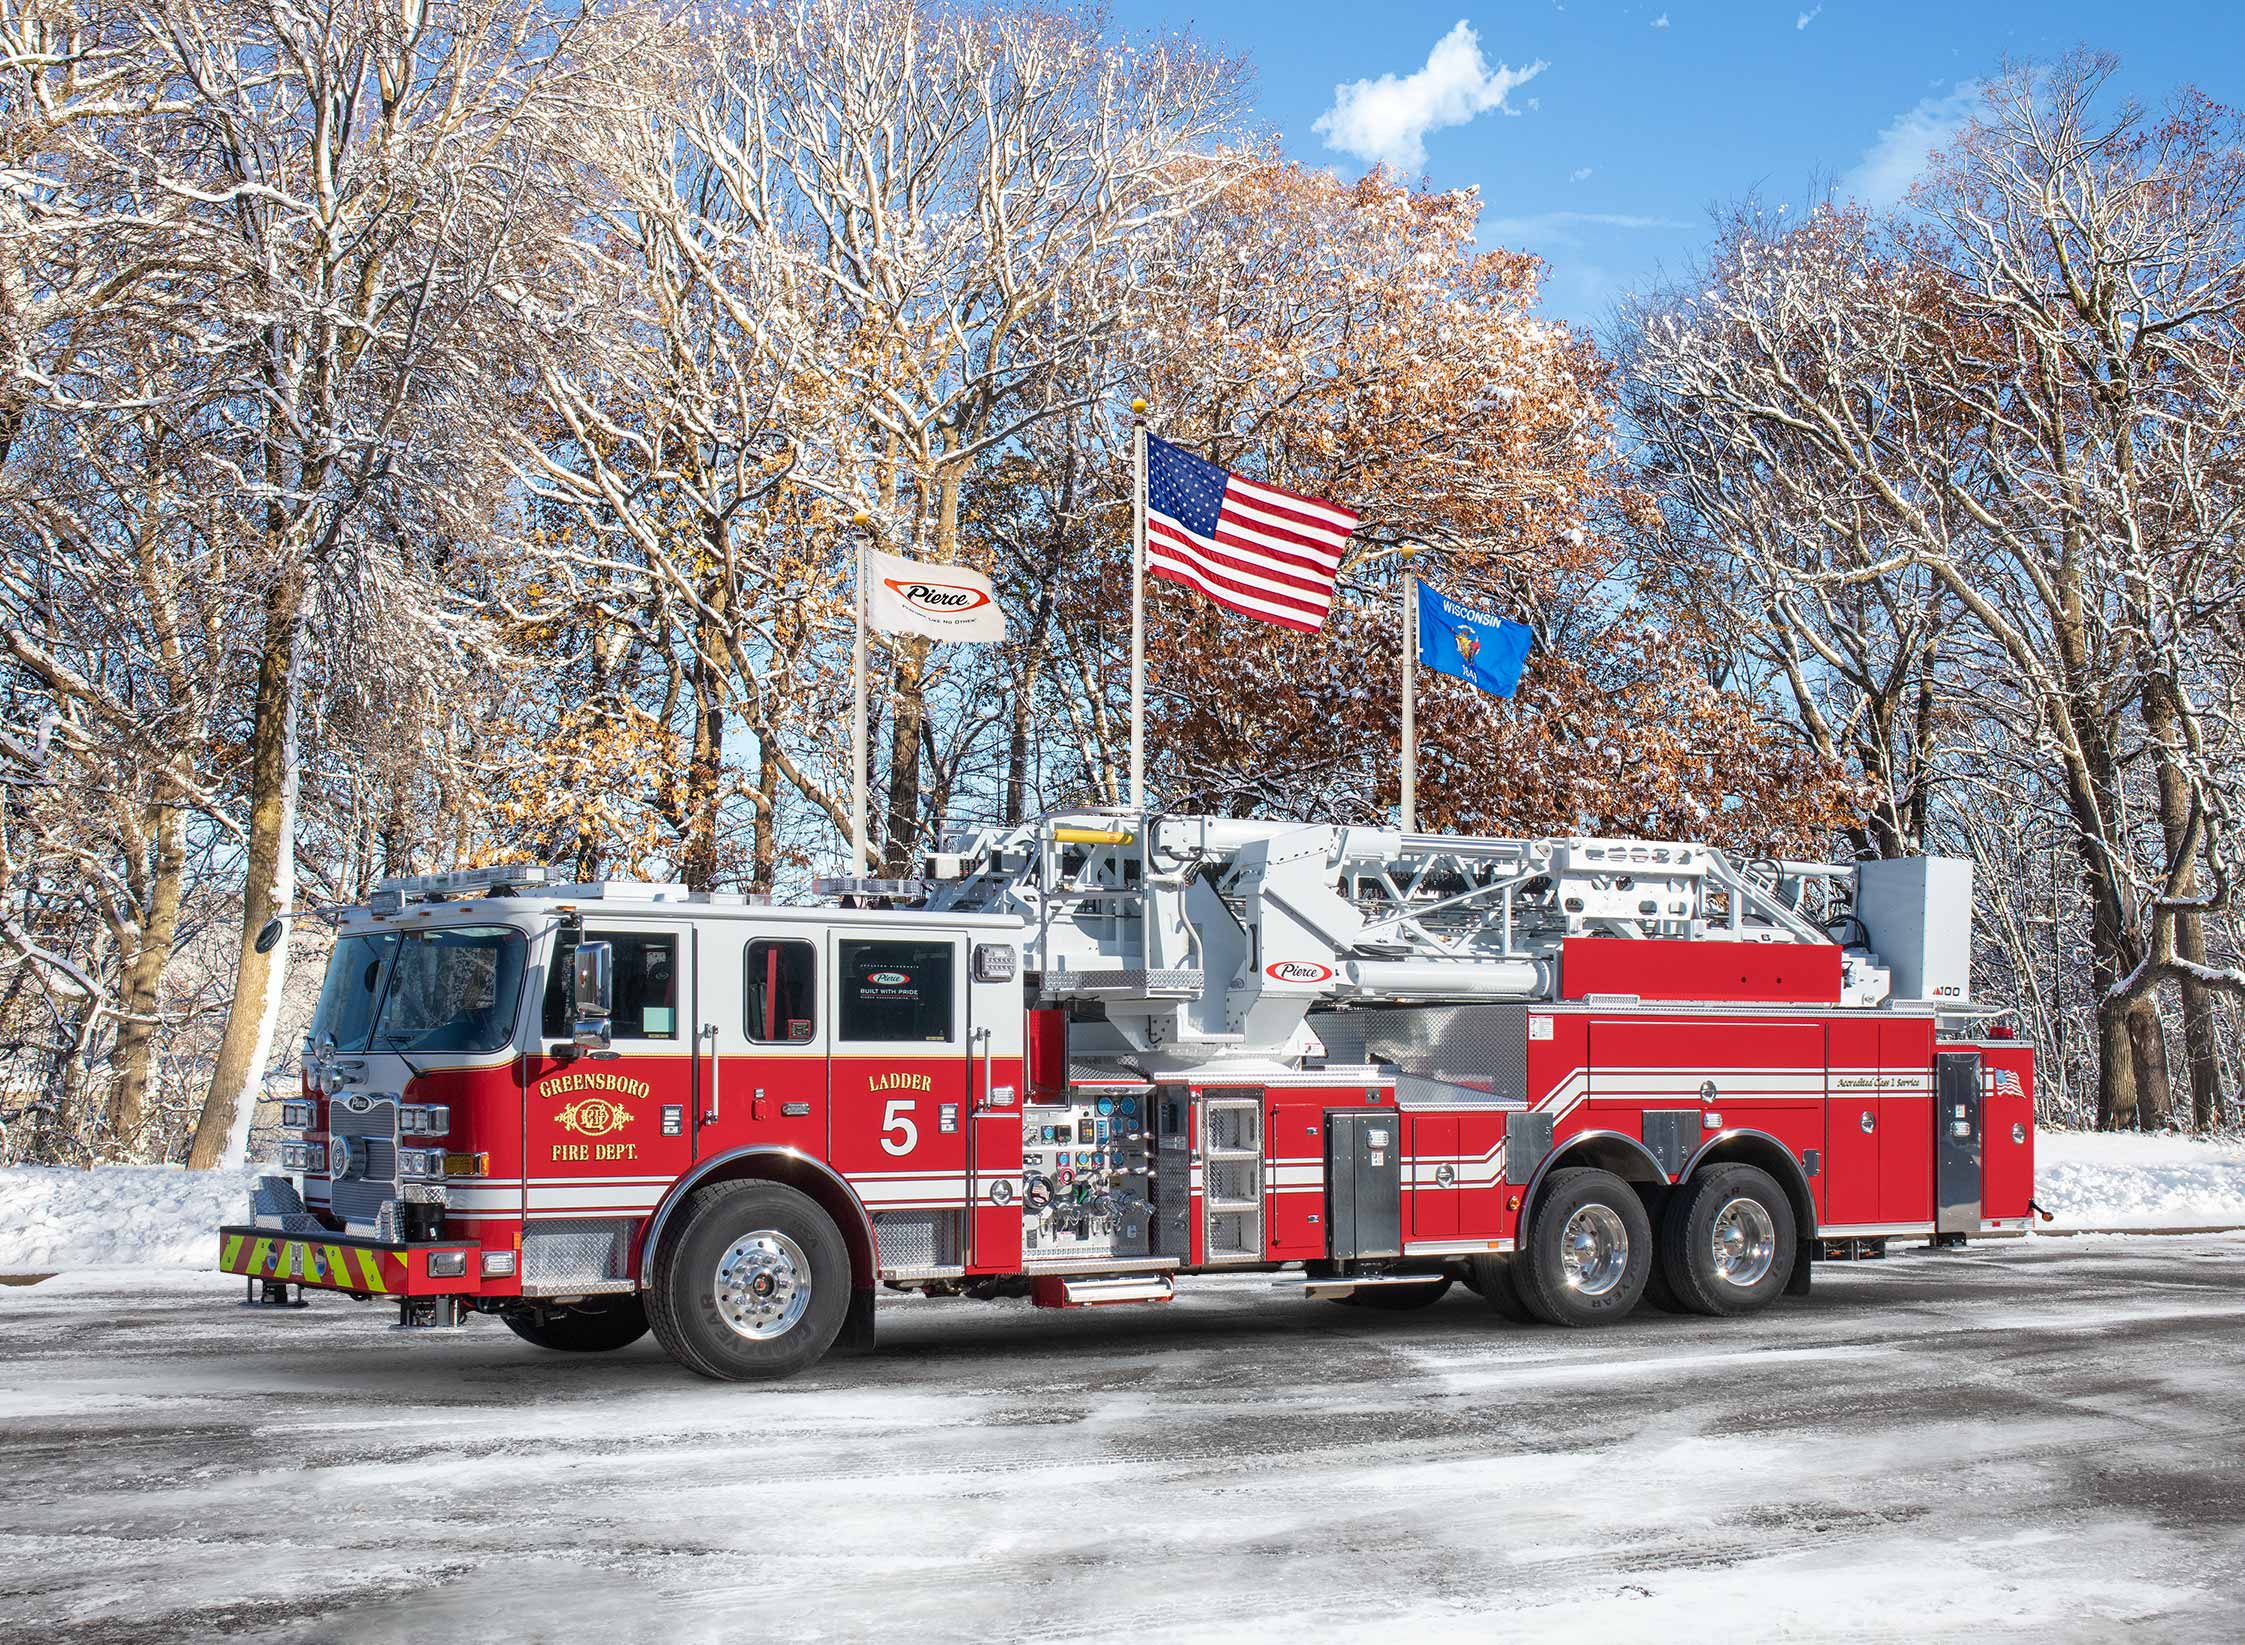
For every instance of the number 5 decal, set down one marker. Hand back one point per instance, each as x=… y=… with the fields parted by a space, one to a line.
x=898 y=1117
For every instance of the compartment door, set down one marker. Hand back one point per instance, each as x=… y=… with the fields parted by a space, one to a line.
x=1433 y=1175
x=1957 y=1142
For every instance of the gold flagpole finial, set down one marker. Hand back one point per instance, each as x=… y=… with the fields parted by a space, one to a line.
x=1138 y=408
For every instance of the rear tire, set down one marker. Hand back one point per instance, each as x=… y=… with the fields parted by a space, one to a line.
x=1399 y=1299
x=617 y=1322
x=752 y=1284
x=1727 y=1241
x=1588 y=1250
x=1496 y=1278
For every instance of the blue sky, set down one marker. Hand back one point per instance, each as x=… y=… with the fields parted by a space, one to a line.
x=1606 y=159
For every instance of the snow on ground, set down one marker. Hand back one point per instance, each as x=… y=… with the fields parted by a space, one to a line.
x=2025 y=1443
x=2130 y=1180
x=137 y=1216
x=116 y=1216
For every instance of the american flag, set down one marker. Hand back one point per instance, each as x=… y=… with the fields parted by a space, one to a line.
x=2007 y=1083
x=1249 y=547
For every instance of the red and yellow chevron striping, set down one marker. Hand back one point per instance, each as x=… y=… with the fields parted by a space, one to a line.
x=313 y=1262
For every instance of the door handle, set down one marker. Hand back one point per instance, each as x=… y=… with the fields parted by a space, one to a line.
x=709 y=1033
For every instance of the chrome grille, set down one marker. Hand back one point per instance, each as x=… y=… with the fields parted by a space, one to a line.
x=358 y=1199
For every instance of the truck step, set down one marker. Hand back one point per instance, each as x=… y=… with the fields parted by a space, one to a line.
x=1100 y=1290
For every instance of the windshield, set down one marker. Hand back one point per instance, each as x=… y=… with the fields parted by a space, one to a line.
x=452 y=990
x=354 y=983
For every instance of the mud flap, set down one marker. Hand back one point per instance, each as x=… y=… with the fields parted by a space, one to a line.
x=857 y=1325
x=1796 y=1285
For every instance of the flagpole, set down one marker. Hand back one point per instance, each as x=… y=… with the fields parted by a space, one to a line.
x=1138 y=607
x=1410 y=697
x=860 y=855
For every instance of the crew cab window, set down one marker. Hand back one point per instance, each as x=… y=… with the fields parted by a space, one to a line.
x=896 y=991
x=645 y=972
x=781 y=977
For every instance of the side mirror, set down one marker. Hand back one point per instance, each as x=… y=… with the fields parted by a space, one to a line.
x=268 y=935
x=595 y=994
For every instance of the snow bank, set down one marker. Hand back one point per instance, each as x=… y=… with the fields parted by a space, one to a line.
x=2129 y=1180
x=116 y=1216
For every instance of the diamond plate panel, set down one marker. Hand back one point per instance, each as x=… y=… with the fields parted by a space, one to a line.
x=920 y=1239
x=1441 y=1053
x=577 y=1254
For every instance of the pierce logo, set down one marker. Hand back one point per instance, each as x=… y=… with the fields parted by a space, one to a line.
x=938 y=599
x=888 y=979
x=1298 y=971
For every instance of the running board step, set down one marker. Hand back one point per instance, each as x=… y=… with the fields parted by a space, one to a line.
x=1099 y=1290
x=1348 y=1286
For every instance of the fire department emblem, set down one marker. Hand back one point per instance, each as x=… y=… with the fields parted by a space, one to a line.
x=593 y=1117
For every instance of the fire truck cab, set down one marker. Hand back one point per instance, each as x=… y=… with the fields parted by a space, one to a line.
x=1080 y=1058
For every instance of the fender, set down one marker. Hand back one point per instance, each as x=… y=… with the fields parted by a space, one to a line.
x=702 y=1172
x=1558 y=1156
x=1795 y=1182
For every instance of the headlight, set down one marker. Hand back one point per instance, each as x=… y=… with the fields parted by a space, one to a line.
x=299 y=1116
x=308 y=1157
x=421 y=1163
x=424 y=1119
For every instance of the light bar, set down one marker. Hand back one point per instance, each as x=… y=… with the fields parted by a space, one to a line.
x=398 y=889
x=424 y=1119
x=299 y=1116
x=310 y=1158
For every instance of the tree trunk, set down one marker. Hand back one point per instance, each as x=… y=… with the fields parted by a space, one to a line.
x=269 y=883
x=907 y=710
x=2147 y=1047
x=135 y=1051
x=2202 y=1046
x=2201 y=1042
x=764 y=842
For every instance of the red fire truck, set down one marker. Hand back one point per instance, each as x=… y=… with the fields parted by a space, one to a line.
x=1081 y=1057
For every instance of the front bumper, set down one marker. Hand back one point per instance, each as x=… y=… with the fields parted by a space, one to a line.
x=343 y=1262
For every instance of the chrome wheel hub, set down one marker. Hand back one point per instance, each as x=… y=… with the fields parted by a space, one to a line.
x=763 y=1285
x=1594 y=1250
x=1743 y=1242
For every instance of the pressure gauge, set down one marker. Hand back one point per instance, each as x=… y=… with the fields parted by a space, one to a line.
x=1106 y=1105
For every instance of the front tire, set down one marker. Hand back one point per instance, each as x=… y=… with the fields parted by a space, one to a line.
x=1588 y=1251
x=753 y=1283
x=1727 y=1241
x=617 y=1322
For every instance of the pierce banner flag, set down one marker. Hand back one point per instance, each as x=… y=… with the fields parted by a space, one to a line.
x=942 y=602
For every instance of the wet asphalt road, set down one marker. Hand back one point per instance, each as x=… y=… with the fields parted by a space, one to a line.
x=2030 y=1441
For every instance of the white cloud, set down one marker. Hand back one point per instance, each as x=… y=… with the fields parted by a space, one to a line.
x=1581 y=174
x=1808 y=17
x=1386 y=120
x=1661 y=21
x=1561 y=229
x=1890 y=165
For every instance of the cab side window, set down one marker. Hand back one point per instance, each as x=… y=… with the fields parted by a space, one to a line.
x=781 y=981
x=646 y=984
x=894 y=992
